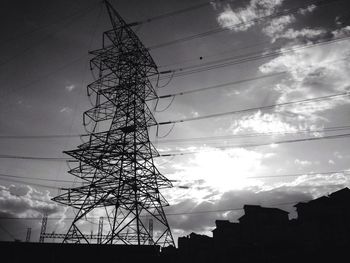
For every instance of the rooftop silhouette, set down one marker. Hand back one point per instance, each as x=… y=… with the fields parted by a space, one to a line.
x=320 y=232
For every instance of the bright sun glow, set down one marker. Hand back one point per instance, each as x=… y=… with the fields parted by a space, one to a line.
x=221 y=170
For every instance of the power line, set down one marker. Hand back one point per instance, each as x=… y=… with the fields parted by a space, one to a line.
x=34 y=158
x=201 y=139
x=231 y=83
x=210 y=116
x=173 y=13
x=13 y=178
x=256 y=20
x=173 y=95
x=179 y=72
x=201 y=68
x=36 y=178
x=7 y=232
x=339 y=136
x=243 y=135
x=267 y=107
x=53 y=136
x=333 y=96
x=216 y=54
x=30 y=183
x=277 y=142
x=166 y=154
x=344 y=172
x=170 y=214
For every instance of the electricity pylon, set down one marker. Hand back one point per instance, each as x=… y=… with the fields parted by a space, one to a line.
x=116 y=163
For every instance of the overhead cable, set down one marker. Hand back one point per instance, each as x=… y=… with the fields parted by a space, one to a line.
x=179 y=72
x=223 y=85
x=170 y=214
x=255 y=20
x=35 y=178
x=7 y=232
x=182 y=153
x=333 y=96
x=253 y=135
x=173 y=13
x=343 y=172
x=35 y=158
x=23 y=181
x=242 y=135
x=267 y=107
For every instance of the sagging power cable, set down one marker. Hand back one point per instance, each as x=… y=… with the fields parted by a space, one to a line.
x=267 y=107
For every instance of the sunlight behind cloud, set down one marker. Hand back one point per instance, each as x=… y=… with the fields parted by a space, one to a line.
x=218 y=171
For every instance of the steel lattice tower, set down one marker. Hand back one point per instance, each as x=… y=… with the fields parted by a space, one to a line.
x=116 y=163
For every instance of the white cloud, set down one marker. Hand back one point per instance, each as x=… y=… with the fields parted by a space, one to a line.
x=65 y=109
x=236 y=21
x=302 y=162
x=25 y=201
x=277 y=25
x=242 y=19
x=212 y=172
x=305 y=33
x=312 y=72
x=338 y=21
x=262 y=123
x=70 y=87
x=331 y=162
x=342 y=32
x=308 y=9
x=338 y=155
x=194 y=114
x=316 y=184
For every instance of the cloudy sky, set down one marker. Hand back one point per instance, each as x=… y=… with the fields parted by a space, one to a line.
x=289 y=50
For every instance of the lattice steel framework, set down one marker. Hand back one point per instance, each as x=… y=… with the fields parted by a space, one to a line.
x=116 y=163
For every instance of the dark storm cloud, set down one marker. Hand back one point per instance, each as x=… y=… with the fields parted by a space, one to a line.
x=22 y=206
x=25 y=200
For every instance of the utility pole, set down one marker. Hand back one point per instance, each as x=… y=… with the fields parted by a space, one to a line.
x=150 y=230
x=43 y=229
x=116 y=161
x=100 y=230
x=29 y=231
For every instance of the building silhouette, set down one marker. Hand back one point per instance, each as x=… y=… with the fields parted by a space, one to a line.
x=325 y=220
x=321 y=233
